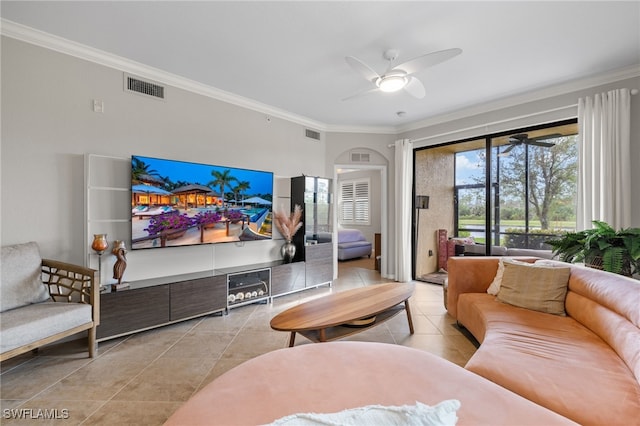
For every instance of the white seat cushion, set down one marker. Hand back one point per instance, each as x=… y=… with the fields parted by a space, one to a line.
x=30 y=323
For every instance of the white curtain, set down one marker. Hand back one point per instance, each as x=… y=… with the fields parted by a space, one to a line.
x=403 y=180
x=604 y=176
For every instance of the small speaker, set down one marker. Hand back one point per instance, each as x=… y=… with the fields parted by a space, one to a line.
x=422 y=201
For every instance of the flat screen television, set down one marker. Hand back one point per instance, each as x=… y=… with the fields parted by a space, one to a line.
x=178 y=203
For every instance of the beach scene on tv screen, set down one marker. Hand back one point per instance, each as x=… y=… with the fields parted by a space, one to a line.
x=177 y=203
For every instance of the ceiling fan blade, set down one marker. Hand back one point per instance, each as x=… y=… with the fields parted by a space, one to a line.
x=546 y=137
x=415 y=88
x=506 y=151
x=362 y=68
x=430 y=59
x=362 y=93
x=540 y=143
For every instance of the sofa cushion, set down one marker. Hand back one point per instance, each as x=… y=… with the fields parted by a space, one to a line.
x=353 y=250
x=494 y=288
x=553 y=361
x=480 y=250
x=538 y=287
x=545 y=254
x=21 y=277
x=350 y=235
x=40 y=320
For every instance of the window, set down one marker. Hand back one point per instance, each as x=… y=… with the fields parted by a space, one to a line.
x=532 y=190
x=354 y=202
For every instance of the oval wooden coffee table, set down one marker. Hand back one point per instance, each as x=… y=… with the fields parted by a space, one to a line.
x=333 y=317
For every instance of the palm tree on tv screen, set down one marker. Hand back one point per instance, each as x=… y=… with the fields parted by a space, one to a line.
x=222 y=180
x=140 y=172
x=241 y=187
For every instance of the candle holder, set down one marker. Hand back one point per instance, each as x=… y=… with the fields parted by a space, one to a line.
x=99 y=245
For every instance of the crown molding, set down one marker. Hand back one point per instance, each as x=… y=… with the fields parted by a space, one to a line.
x=378 y=130
x=588 y=82
x=49 y=41
x=52 y=42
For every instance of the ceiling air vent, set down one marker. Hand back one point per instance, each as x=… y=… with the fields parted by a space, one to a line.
x=360 y=157
x=312 y=134
x=133 y=84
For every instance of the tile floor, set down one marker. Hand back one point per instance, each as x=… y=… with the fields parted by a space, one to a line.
x=143 y=378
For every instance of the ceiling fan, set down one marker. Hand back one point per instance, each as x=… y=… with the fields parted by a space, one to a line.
x=524 y=138
x=399 y=77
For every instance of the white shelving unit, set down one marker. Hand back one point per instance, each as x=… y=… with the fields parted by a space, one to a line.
x=107 y=195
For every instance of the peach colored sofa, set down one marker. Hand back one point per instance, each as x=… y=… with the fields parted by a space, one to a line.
x=584 y=366
x=335 y=376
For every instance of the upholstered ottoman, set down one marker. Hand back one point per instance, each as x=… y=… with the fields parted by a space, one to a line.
x=330 y=377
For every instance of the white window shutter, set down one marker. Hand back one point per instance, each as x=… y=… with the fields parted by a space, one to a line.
x=354 y=202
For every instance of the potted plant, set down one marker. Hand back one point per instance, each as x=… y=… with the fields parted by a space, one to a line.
x=234 y=216
x=601 y=247
x=208 y=219
x=173 y=225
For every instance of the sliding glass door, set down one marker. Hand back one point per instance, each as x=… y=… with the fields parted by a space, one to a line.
x=524 y=194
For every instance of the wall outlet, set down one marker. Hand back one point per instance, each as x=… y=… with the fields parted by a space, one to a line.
x=430 y=253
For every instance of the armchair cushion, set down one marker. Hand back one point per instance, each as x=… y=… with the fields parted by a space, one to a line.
x=39 y=321
x=21 y=276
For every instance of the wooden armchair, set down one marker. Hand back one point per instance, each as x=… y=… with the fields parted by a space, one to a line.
x=64 y=313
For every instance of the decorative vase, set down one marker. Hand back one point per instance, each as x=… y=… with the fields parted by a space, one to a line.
x=99 y=243
x=288 y=251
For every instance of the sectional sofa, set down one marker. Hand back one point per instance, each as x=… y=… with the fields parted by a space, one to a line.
x=572 y=357
x=581 y=361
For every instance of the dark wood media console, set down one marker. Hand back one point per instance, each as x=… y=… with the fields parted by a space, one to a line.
x=156 y=302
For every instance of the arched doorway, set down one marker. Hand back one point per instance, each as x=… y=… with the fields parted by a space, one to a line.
x=362 y=164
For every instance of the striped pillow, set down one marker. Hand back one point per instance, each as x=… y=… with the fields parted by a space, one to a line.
x=538 y=287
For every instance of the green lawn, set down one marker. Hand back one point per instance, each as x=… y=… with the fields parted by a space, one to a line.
x=516 y=223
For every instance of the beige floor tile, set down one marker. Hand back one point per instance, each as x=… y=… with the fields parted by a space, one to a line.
x=47 y=412
x=138 y=413
x=7 y=404
x=16 y=361
x=231 y=322
x=147 y=345
x=28 y=379
x=199 y=343
x=167 y=379
x=421 y=324
x=222 y=366
x=96 y=381
x=141 y=379
x=447 y=347
x=251 y=344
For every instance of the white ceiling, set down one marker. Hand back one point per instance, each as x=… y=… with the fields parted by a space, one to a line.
x=289 y=56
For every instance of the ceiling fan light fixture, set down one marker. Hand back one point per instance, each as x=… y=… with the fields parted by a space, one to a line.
x=391 y=83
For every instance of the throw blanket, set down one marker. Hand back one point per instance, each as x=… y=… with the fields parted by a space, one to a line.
x=442 y=414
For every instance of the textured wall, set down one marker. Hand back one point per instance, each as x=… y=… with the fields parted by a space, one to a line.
x=434 y=172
